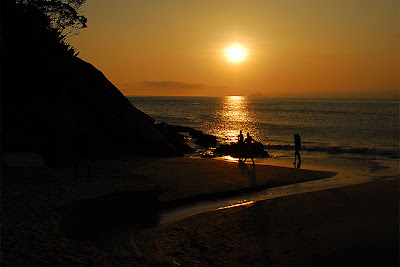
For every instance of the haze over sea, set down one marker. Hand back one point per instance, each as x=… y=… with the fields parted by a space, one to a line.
x=357 y=126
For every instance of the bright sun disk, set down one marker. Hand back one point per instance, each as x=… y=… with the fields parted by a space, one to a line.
x=235 y=52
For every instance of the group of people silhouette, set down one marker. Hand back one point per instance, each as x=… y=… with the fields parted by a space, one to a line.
x=246 y=148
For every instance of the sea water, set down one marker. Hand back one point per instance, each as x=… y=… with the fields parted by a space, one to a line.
x=357 y=126
x=357 y=138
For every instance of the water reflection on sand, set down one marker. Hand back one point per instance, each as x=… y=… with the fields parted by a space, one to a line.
x=351 y=170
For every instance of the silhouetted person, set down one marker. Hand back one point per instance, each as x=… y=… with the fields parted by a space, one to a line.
x=249 y=148
x=297 y=146
x=240 y=145
x=82 y=151
x=298 y=164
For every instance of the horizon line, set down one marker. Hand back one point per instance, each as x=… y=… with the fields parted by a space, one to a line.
x=300 y=97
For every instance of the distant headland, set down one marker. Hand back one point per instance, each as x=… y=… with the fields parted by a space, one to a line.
x=256 y=94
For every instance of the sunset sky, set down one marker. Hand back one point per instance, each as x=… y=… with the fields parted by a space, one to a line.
x=311 y=48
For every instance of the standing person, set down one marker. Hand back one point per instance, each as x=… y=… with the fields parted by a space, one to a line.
x=297 y=145
x=240 y=145
x=249 y=148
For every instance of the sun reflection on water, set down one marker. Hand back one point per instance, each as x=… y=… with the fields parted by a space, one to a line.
x=233 y=115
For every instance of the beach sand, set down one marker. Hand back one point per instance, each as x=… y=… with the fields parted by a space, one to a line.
x=348 y=226
x=357 y=223
x=190 y=177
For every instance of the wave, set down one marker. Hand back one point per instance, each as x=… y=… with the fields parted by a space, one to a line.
x=341 y=150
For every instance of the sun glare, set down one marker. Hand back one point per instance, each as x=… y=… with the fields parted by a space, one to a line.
x=236 y=53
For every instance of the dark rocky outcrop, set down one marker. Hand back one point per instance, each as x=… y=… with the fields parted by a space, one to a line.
x=174 y=136
x=202 y=139
x=206 y=140
x=234 y=150
x=43 y=110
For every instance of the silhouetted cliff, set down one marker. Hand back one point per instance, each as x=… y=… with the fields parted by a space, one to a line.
x=48 y=96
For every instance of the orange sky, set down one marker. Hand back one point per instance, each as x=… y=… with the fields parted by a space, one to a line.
x=312 y=48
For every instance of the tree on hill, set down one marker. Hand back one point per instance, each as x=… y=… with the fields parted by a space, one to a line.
x=39 y=29
x=34 y=41
x=63 y=15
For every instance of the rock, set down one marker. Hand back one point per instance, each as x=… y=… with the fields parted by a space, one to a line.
x=45 y=103
x=202 y=139
x=234 y=151
x=195 y=133
x=181 y=129
x=175 y=138
x=207 y=154
x=206 y=140
x=258 y=149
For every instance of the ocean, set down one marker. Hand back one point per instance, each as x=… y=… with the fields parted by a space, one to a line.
x=358 y=139
x=355 y=126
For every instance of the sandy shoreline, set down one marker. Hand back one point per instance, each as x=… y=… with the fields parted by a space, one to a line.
x=34 y=200
x=348 y=226
x=187 y=177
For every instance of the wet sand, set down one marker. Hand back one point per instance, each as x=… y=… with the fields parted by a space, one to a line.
x=34 y=202
x=348 y=226
x=183 y=178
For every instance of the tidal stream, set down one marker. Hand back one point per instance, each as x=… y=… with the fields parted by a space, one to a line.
x=351 y=171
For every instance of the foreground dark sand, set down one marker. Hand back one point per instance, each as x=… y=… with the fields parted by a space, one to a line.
x=349 y=226
x=356 y=224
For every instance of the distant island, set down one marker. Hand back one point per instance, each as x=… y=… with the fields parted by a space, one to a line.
x=256 y=94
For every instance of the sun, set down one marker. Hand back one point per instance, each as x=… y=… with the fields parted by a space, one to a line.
x=236 y=52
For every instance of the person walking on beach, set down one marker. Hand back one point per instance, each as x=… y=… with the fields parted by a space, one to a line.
x=297 y=145
x=240 y=145
x=249 y=148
